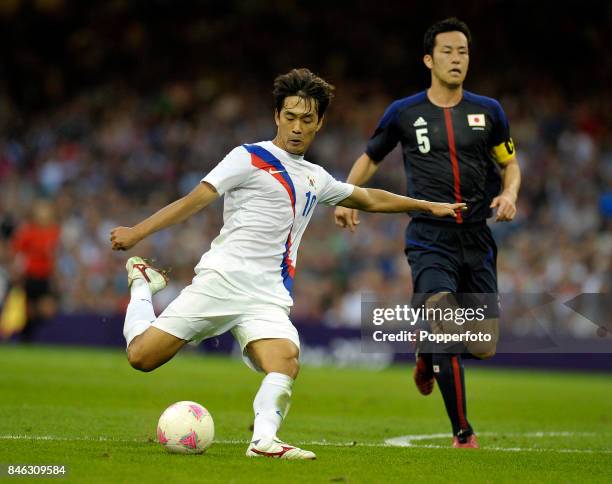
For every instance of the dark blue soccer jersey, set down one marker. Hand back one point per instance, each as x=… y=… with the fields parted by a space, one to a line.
x=450 y=154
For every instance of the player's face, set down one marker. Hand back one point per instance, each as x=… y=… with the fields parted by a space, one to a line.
x=450 y=60
x=297 y=124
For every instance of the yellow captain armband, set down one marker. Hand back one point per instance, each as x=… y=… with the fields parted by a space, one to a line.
x=503 y=152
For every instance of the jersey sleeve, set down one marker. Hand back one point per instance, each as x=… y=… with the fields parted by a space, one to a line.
x=333 y=191
x=386 y=135
x=233 y=170
x=502 y=146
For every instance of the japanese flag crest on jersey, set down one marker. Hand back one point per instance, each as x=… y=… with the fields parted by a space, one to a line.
x=476 y=120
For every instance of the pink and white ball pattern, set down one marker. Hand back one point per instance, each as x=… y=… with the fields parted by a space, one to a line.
x=185 y=428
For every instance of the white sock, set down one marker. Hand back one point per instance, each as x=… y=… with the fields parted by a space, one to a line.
x=140 y=314
x=271 y=405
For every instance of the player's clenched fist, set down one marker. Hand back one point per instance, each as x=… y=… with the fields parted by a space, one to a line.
x=123 y=238
x=347 y=218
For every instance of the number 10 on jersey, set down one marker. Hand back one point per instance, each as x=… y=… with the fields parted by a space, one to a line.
x=310 y=201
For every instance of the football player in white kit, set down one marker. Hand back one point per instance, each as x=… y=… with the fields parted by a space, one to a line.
x=243 y=284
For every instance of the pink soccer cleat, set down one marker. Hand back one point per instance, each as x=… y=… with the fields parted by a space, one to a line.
x=139 y=268
x=276 y=449
x=470 y=443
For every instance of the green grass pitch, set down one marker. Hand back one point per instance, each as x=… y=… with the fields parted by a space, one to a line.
x=89 y=410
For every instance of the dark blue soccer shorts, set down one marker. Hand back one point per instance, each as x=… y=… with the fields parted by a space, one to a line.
x=455 y=258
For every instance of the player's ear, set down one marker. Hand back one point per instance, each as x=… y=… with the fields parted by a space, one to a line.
x=277 y=117
x=428 y=61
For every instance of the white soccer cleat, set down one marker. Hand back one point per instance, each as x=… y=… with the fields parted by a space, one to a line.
x=139 y=268
x=277 y=449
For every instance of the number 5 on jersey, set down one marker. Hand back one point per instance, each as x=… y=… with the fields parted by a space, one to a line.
x=422 y=140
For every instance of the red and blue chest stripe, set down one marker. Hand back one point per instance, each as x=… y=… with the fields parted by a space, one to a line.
x=266 y=161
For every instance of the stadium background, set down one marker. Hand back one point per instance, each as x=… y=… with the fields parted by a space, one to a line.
x=109 y=110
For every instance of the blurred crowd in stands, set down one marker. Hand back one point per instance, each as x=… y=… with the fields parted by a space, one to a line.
x=112 y=153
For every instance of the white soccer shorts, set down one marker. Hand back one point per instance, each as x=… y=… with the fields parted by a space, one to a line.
x=210 y=306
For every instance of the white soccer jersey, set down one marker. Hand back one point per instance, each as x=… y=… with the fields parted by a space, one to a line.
x=269 y=199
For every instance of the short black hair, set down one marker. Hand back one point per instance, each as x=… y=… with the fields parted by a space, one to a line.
x=303 y=83
x=451 y=24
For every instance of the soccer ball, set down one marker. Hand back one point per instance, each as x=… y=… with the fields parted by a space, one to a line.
x=185 y=428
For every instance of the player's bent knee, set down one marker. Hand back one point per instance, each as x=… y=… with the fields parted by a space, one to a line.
x=486 y=355
x=487 y=349
x=484 y=352
x=139 y=359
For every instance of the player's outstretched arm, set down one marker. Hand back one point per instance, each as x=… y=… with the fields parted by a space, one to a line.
x=123 y=238
x=374 y=200
x=363 y=169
